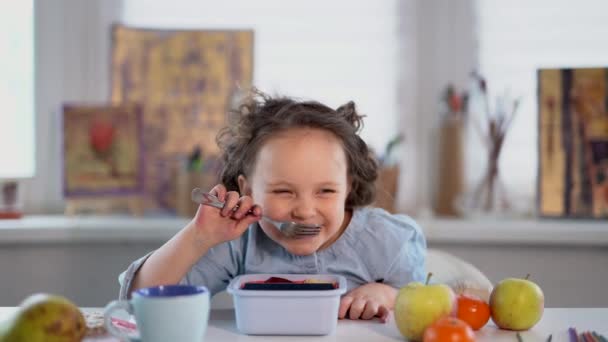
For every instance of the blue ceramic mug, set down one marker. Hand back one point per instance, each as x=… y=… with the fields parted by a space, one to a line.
x=164 y=313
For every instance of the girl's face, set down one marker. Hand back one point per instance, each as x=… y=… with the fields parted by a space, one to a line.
x=301 y=175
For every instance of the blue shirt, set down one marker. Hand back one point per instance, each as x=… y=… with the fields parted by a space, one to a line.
x=375 y=247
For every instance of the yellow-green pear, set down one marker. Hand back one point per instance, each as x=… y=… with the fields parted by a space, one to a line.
x=517 y=304
x=420 y=305
x=44 y=318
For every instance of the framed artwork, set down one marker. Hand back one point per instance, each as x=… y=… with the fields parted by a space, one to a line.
x=102 y=150
x=186 y=82
x=573 y=142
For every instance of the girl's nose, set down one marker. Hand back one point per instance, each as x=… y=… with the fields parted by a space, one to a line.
x=304 y=208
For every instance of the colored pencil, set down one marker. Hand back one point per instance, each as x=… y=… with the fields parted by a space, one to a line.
x=573 y=336
x=587 y=337
x=591 y=337
x=600 y=337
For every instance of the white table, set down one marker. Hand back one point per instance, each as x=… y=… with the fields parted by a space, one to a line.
x=222 y=328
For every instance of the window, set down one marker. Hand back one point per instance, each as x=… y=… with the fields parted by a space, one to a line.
x=330 y=51
x=515 y=39
x=16 y=89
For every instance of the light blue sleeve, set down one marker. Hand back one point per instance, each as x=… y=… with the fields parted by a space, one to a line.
x=215 y=270
x=409 y=263
x=125 y=279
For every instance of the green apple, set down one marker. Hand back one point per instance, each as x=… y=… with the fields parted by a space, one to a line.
x=420 y=305
x=516 y=304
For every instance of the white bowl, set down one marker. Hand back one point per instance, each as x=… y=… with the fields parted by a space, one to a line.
x=286 y=312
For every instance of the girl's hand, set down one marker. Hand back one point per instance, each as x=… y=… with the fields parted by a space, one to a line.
x=368 y=301
x=213 y=226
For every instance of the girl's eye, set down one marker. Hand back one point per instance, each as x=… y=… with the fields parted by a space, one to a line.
x=327 y=191
x=281 y=191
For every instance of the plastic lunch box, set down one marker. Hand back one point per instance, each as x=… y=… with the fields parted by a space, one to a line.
x=286 y=312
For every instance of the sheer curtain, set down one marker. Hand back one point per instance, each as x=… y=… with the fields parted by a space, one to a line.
x=517 y=37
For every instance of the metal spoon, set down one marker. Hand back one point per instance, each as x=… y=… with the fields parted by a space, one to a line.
x=288 y=228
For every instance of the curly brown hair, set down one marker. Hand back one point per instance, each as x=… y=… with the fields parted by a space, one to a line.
x=260 y=117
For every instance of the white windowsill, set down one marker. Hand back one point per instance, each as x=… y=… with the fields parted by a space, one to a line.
x=517 y=231
x=61 y=229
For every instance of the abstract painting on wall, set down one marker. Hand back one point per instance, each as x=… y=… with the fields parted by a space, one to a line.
x=573 y=142
x=185 y=81
x=102 y=150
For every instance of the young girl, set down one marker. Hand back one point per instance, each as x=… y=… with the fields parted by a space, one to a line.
x=293 y=161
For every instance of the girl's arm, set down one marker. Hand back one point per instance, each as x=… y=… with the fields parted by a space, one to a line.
x=170 y=263
x=210 y=227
